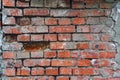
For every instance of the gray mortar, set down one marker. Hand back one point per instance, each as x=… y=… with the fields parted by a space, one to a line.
x=115 y=15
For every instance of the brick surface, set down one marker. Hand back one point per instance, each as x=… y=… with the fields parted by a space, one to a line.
x=58 y=40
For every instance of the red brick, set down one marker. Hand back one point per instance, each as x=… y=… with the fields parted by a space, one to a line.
x=14 y=12
x=51 y=71
x=83 y=29
x=57 y=45
x=9 y=3
x=107 y=54
x=11 y=30
x=77 y=5
x=106 y=37
x=101 y=63
x=84 y=63
x=62 y=29
x=64 y=21
x=96 y=12
x=50 y=37
x=85 y=71
x=24 y=21
x=50 y=21
x=78 y=21
x=65 y=71
x=23 y=72
x=36 y=37
x=36 y=62
x=83 y=45
x=10 y=72
x=62 y=78
x=36 y=12
x=105 y=5
x=63 y=54
x=63 y=62
x=99 y=46
x=64 y=37
x=18 y=63
x=50 y=54
x=22 y=4
x=8 y=55
x=85 y=54
x=37 y=71
x=25 y=37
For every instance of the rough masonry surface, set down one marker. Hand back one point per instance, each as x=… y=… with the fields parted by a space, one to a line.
x=60 y=40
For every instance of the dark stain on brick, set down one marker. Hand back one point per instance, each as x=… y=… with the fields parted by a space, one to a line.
x=23 y=21
x=96 y=46
x=34 y=46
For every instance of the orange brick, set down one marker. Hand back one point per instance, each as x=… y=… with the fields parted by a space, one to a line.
x=63 y=54
x=25 y=37
x=37 y=71
x=78 y=21
x=51 y=71
x=65 y=71
x=8 y=55
x=50 y=21
x=83 y=45
x=23 y=72
x=84 y=63
x=10 y=72
x=50 y=54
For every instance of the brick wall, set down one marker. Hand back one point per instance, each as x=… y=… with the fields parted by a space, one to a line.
x=58 y=40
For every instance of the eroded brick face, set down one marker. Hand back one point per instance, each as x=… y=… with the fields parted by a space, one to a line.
x=58 y=40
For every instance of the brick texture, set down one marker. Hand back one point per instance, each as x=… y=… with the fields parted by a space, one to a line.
x=57 y=40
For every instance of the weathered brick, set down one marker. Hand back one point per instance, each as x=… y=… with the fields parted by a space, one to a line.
x=49 y=54
x=23 y=72
x=93 y=20
x=14 y=12
x=9 y=3
x=22 y=4
x=37 y=71
x=10 y=72
x=60 y=12
x=37 y=3
x=23 y=21
x=23 y=38
x=36 y=37
x=64 y=21
x=62 y=45
x=63 y=54
x=62 y=78
x=12 y=46
x=36 y=62
x=23 y=55
x=37 y=54
x=85 y=37
x=36 y=12
x=84 y=54
x=8 y=21
x=85 y=71
x=107 y=54
x=62 y=29
x=50 y=21
x=37 y=21
x=50 y=37
x=59 y=62
x=83 y=28
x=64 y=37
x=8 y=55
